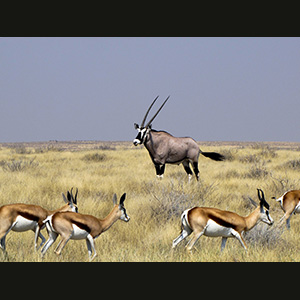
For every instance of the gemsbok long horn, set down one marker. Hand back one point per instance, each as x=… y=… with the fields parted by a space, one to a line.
x=157 y=112
x=143 y=122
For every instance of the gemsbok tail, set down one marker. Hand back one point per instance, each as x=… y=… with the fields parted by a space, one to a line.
x=214 y=155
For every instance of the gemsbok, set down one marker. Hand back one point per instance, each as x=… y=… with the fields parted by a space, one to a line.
x=78 y=227
x=164 y=148
x=21 y=217
x=213 y=222
x=290 y=204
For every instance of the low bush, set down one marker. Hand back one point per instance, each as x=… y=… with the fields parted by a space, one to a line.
x=18 y=165
x=264 y=235
x=257 y=171
x=94 y=157
x=292 y=164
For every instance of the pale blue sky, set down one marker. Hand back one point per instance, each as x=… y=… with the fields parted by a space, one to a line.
x=222 y=89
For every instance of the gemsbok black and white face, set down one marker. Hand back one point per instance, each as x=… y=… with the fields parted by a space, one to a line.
x=142 y=134
x=144 y=130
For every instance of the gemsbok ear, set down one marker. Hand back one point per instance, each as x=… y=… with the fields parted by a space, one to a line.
x=136 y=126
x=122 y=199
x=114 y=199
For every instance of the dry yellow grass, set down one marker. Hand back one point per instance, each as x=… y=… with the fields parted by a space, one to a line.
x=39 y=173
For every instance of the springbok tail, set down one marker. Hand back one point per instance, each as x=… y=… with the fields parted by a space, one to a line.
x=214 y=156
x=48 y=219
x=48 y=223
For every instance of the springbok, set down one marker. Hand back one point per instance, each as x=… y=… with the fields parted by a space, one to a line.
x=22 y=217
x=78 y=226
x=290 y=204
x=164 y=148
x=214 y=222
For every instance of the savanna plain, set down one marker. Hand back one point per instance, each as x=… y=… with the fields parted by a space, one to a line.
x=37 y=173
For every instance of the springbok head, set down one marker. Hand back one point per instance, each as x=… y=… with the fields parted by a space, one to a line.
x=71 y=200
x=121 y=211
x=143 y=129
x=264 y=208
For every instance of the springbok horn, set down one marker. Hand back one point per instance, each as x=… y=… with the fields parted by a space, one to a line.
x=263 y=199
x=148 y=111
x=157 y=112
x=258 y=194
x=75 y=199
x=266 y=204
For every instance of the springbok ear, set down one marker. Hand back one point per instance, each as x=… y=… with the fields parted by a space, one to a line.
x=136 y=126
x=122 y=199
x=64 y=197
x=252 y=201
x=115 y=199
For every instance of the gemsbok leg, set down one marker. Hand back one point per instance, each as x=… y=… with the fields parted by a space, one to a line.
x=186 y=165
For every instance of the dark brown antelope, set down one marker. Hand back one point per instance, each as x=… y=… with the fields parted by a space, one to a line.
x=164 y=148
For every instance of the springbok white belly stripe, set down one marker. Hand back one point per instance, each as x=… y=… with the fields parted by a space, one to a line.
x=213 y=229
x=78 y=233
x=23 y=224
